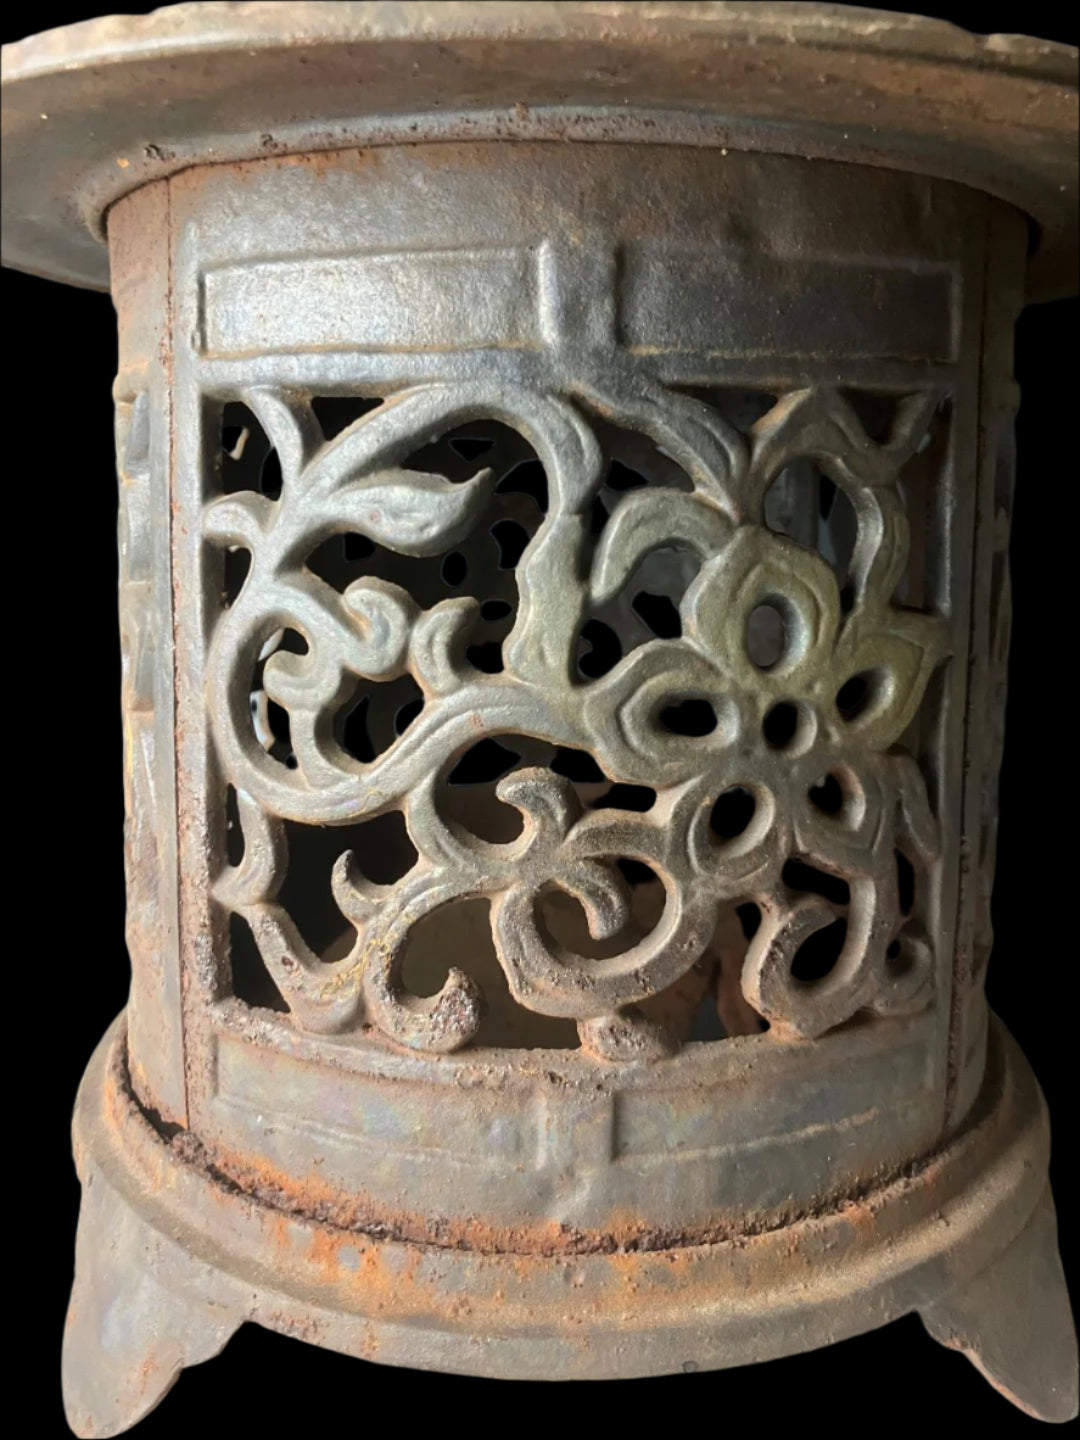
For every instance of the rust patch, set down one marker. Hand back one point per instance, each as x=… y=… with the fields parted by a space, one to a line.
x=353 y=1222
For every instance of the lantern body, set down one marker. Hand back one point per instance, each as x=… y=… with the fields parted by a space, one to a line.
x=575 y=417
x=564 y=607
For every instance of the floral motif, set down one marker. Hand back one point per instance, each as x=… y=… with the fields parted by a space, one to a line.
x=890 y=651
x=359 y=483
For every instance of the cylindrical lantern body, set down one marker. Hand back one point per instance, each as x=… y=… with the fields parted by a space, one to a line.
x=677 y=481
x=565 y=613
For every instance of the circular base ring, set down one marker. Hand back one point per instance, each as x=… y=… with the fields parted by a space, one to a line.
x=192 y=1258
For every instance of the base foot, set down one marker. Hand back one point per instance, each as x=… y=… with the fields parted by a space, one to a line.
x=138 y=1315
x=171 y=1261
x=1013 y=1322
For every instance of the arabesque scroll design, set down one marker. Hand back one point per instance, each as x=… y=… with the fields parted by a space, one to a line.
x=374 y=630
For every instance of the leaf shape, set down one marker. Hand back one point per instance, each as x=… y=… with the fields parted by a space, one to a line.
x=548 y=801
x=237 y=520
x=357 y=897
x=291 y=427
x=410 y=511
x=692 y=433
x=437 y=643
x=323 y=998
x=603 y=893
x=820 y=424
x=260 y=873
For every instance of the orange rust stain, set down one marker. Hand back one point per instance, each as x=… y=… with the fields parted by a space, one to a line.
x=277 y=1227
x=145 y=1373
x=860 y=1216
x=324 y=1253
x=313 y=1197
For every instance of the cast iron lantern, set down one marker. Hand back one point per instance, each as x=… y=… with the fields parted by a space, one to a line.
x=565 y=460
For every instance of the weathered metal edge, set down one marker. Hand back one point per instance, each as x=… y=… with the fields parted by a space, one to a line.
x=274 y=22
x=898 y=1248
x=108 y=105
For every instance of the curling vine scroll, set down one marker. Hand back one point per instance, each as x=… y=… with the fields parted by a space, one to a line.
x=655 y=621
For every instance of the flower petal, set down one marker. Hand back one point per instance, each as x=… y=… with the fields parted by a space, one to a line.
x=894 y=652
x=647 y=520
x=761 y=569
x=622 y=712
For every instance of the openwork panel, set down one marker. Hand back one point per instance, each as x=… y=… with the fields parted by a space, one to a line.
x=592 y=717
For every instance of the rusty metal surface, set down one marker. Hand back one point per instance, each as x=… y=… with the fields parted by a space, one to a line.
x=580 y=354
x=968 y=1219
x=109 y=104
x=564 y=615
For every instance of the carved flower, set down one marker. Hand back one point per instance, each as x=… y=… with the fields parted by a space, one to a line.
x=772 y=727
x=843 y=681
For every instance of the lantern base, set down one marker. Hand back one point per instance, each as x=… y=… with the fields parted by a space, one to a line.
x=171 y=1259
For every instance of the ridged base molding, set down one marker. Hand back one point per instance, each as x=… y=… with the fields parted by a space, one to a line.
x=170 y=1261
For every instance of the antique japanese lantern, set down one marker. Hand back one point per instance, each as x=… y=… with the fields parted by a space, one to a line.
x=565 y=460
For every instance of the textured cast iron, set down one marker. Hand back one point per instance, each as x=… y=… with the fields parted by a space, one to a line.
x=565 y=612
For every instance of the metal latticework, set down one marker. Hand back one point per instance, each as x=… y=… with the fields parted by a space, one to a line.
x=565 y=613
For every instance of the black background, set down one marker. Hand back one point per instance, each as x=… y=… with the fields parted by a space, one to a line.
x=62 y=692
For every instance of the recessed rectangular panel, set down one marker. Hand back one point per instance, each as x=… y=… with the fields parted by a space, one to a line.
x=395 y=1115
x=729 y=299
x=420 y=300
x=772 y=1107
